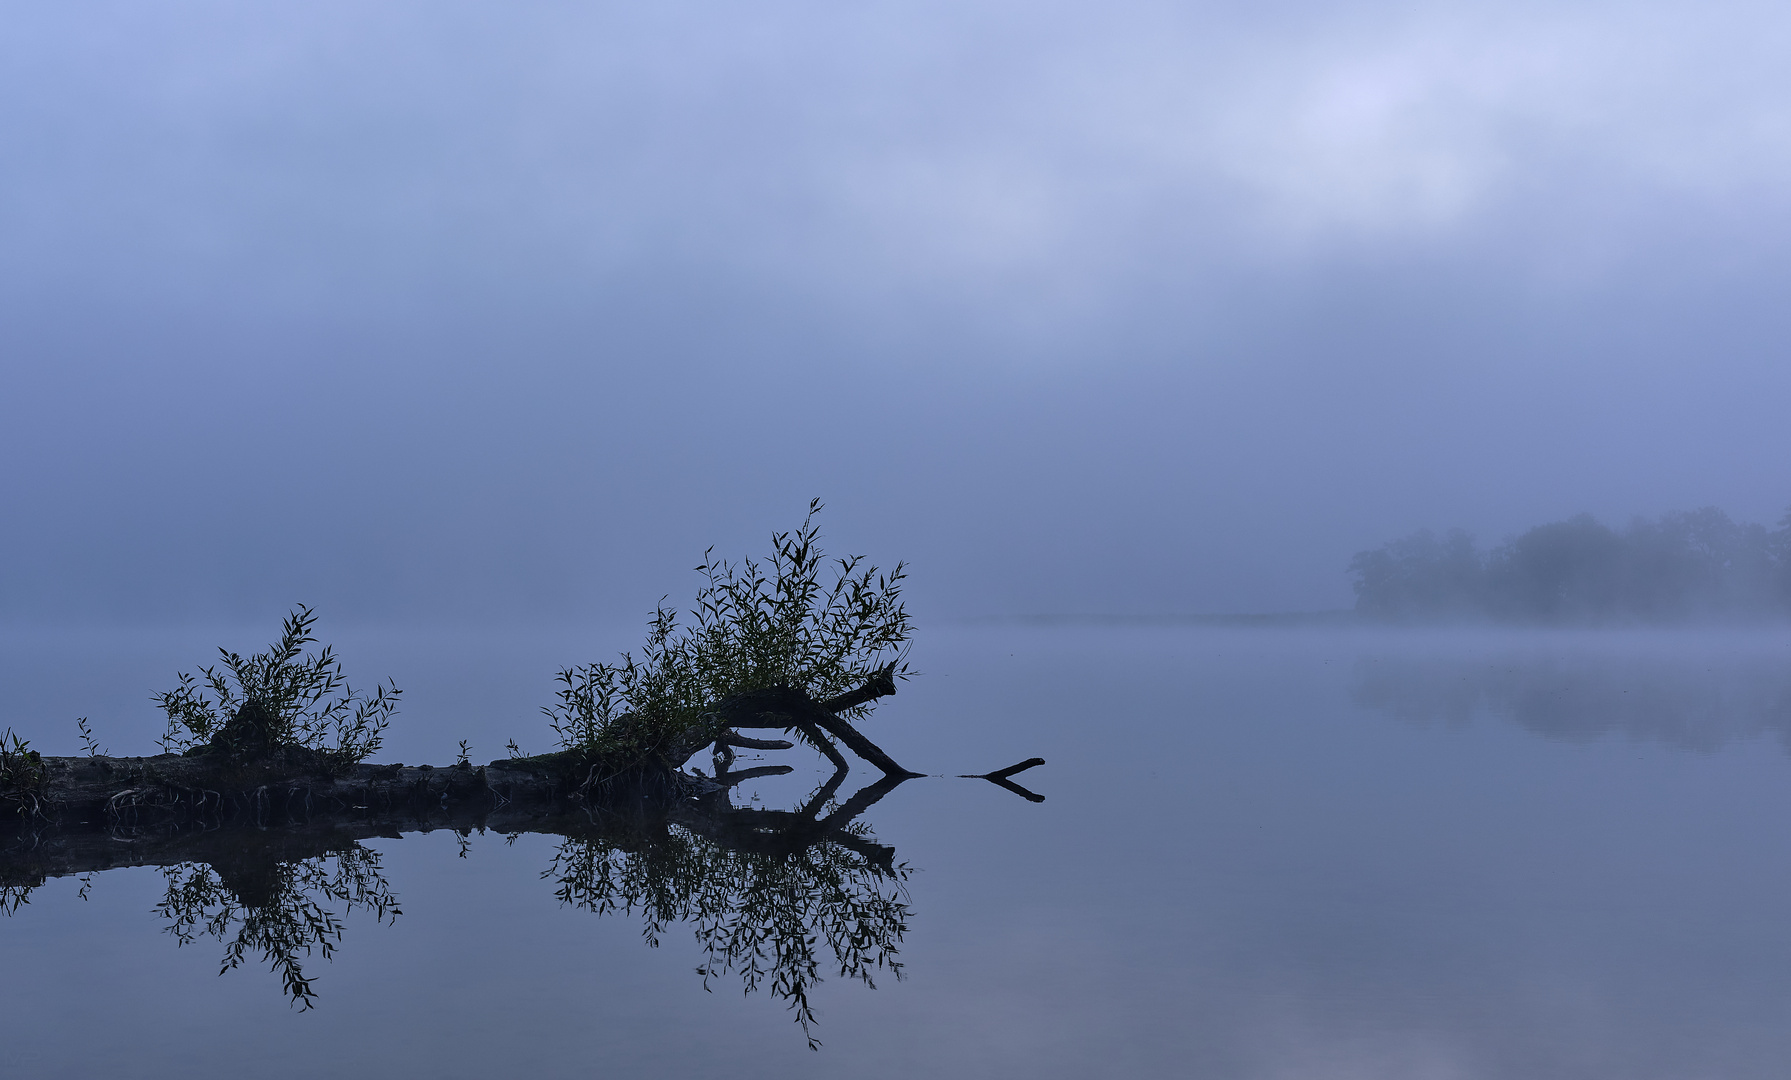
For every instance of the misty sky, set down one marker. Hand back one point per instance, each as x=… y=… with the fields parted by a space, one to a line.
x=456 y=310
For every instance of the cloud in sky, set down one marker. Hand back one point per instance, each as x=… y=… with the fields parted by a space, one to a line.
x=1207 y=295
x=917 y=146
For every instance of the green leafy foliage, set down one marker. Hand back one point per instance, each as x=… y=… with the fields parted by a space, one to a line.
x=281 y=697
x=754 y=625
x=88 y=742
x=21 y=773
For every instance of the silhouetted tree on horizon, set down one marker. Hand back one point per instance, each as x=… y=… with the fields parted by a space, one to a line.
x=1420 y=576
x=1694 y=565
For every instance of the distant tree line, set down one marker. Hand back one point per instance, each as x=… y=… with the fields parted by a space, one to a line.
x=1681 y=567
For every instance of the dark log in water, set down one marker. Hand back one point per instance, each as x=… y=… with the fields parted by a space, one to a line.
x=1004 y=778
x=793 y=710
x=294 y=785
x=288 y=783
x=728 y=738
x=279 y=831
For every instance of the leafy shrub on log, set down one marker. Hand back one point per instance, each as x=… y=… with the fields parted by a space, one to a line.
x=754 y=626
x=21 y=773
x=276 y=699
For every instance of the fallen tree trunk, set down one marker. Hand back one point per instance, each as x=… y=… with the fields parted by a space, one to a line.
x=218 y=832
x=123 y=792
x=289 y=783
x=728 y=738
x=793 y=710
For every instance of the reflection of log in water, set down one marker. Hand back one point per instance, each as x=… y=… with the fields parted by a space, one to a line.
x=767 y=891
x=273 y=892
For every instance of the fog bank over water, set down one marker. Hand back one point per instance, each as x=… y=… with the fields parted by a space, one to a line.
x=1681 y=689
x=1686 y=690
x=449 y=312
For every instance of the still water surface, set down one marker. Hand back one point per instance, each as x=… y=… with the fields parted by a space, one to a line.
x=1261 y=854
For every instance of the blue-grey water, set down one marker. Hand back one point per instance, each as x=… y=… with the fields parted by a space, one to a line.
x=1261 y=854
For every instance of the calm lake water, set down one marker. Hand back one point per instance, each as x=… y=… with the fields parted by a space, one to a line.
x=1261 y=854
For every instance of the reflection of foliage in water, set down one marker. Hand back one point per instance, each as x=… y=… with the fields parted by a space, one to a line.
x=276 y=908
x=13 y=897
x=759 y=914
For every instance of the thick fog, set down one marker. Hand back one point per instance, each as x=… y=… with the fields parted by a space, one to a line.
x=474 y=311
